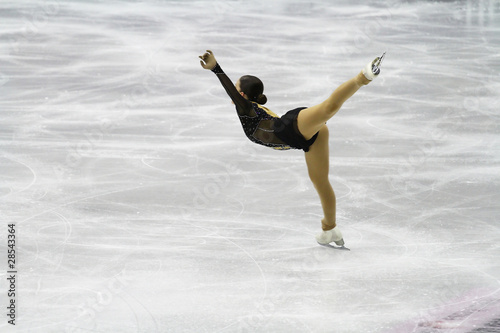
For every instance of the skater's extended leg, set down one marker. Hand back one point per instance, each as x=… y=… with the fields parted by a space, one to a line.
x=317 y=159
x=310 y=120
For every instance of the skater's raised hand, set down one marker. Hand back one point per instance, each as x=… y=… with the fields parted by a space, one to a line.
x=208 y=60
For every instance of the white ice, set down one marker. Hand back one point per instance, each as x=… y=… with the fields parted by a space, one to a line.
x=140 y=206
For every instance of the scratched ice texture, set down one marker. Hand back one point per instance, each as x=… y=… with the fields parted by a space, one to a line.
x=140 y=206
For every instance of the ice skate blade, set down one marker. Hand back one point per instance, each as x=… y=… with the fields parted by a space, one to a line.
x=376 y=64
x=379 y=60
x=372 y=69
x=342 y=248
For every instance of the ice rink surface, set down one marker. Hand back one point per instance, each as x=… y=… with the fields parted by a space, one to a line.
x=140 y=206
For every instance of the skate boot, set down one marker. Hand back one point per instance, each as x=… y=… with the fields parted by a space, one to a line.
x=333 y=235
x=372 y=70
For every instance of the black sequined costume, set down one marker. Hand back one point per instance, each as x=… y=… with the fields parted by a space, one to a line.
x=261 y=125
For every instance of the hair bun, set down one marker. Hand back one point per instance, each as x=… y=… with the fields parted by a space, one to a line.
x=262 y=99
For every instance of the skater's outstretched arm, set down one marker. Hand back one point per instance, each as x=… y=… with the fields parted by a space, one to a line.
x=243 y=106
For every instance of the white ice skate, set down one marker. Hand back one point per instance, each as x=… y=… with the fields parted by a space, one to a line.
x=333 y=235
x=372 y=69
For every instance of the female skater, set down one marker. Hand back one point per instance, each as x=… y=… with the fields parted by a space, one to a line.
x=301 y=128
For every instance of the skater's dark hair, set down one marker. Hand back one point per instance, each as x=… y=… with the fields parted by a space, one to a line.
x=253 y=87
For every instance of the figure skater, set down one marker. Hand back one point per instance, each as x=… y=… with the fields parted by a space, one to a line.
x=301 y=128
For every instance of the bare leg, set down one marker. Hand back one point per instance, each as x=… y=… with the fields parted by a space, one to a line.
x=317 y=159
x=311 y=120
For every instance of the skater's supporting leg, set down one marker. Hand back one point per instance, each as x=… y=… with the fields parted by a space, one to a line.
x=310 y=120
x=318 y=165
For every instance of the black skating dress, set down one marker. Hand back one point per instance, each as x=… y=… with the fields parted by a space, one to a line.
x=261 y=125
